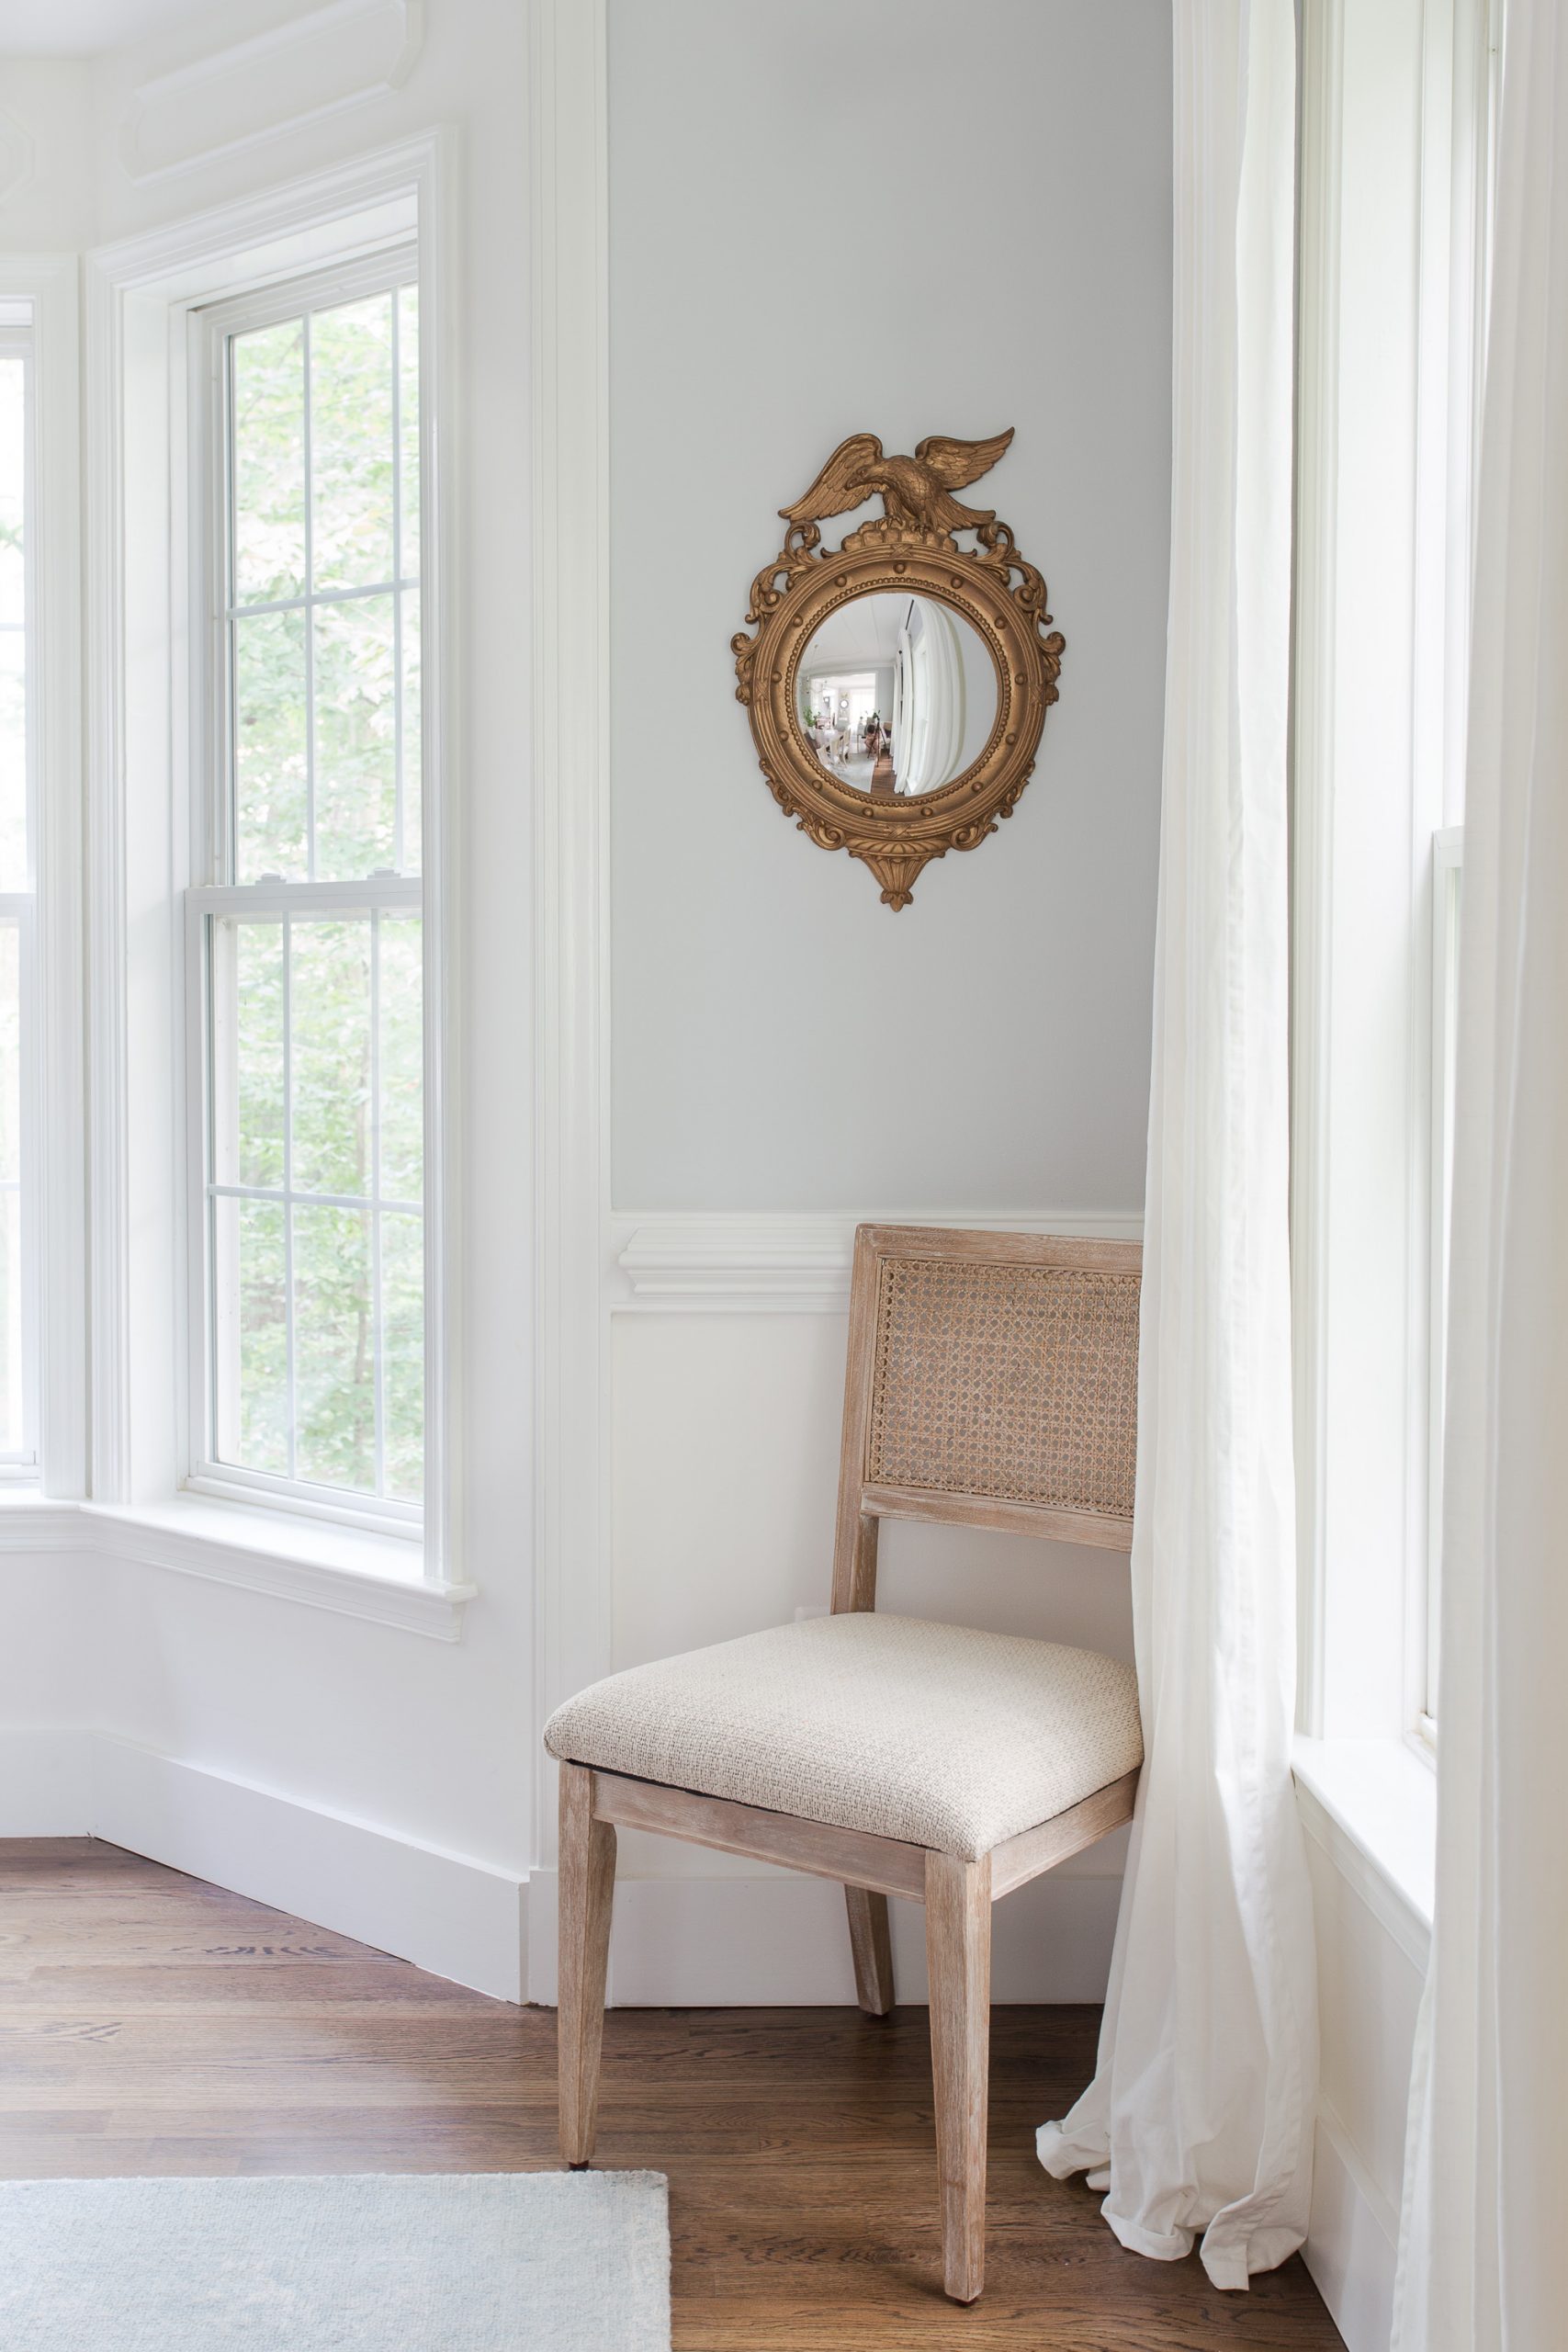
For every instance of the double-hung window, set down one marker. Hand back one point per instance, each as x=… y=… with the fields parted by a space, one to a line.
x=18 y=1445
x=305 y=936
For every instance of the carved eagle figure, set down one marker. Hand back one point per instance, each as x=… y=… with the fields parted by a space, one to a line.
x=916 y=490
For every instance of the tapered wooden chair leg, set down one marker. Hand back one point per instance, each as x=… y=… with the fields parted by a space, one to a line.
x=871 y=1947
x=958 y=1956
x=587 y=1892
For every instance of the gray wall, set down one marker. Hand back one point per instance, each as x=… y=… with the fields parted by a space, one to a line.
x=993 y=178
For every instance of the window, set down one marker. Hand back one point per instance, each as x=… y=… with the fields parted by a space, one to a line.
x=18 y=600
x=306 y=939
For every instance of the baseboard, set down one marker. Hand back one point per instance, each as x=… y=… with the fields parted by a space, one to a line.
x=1353 y=2241
x=736 y=1940
x=455 y=1917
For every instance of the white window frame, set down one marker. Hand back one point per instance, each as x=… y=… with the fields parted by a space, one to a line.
x=39 y=301
x=20 y=907
x=145 y=548
x=212 y=850
x=1448 y=870
x=1397 y=173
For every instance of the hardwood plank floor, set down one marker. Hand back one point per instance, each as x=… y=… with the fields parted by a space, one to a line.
x=152 y=2024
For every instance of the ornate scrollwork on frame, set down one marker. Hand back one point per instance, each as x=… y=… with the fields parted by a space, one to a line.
x=897 y=684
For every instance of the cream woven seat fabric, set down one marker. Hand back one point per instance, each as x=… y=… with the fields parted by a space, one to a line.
x=933 y=1733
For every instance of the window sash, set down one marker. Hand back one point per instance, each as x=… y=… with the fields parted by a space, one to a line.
x=210 y=1471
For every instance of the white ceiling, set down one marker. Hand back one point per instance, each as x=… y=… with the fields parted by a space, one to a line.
x=80 y=28
x=861 y=634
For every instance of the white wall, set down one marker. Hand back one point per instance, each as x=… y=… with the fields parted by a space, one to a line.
x=385 y=1783
x=993 y=182
x=427 y=1748
x=782 y=1044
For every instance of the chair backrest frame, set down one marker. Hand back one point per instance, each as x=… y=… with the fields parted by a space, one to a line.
x=863 y=1502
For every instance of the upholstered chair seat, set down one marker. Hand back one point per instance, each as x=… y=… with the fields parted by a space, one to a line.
x=933 y=1733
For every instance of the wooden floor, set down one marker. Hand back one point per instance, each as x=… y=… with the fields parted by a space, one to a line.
x=152 y=2024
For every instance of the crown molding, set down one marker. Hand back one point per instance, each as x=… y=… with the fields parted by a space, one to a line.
x=321 y=64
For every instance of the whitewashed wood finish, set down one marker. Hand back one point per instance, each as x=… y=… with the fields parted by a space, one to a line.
x=1032 y=1851
x=587 y=1892
x=871 y=1949
x=885 y=1865
x=958 y=1953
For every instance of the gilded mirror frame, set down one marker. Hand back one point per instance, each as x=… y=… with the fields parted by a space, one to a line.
x=911 y=550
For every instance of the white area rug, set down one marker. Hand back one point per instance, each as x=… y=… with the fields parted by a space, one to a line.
x=385 y=2262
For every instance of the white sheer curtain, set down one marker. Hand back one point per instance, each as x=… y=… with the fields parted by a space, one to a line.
x=1486 y=2182
x=1200 y=2118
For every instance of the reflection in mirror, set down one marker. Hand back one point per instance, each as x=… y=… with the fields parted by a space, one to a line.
x=896 y=693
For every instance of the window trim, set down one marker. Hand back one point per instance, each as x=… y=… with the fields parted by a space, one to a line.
x=142 y=548
x=212 y=328
x=1396 y=176
x=20 y=907
x=1448 y=871
x=53 y=1113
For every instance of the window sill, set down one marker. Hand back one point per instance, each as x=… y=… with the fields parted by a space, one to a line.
x=379 y=1578
x=1371 y=1804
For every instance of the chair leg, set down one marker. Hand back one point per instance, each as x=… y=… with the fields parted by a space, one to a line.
x=871 y=1946
x=587 y=1891
x=958 y=1955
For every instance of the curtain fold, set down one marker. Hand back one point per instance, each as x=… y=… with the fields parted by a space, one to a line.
x=1486 y=2173
x=1200 y=2118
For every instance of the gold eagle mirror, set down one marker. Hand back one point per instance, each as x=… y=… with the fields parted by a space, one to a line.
x=897 y=684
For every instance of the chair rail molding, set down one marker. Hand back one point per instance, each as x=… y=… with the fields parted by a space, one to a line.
x=737 y=1263
x=569 y=98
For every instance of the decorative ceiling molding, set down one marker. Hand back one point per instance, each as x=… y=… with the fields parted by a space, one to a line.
x=321 y=64
x=15 y=156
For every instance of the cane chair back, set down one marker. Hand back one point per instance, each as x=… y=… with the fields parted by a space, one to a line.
x=993 y=1381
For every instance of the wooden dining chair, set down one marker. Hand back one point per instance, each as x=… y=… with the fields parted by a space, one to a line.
x=992 y=1383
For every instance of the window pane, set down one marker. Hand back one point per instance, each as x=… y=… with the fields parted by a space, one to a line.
x=247 y=1051
x=402 y=1341
x=270 y=746
x=251 y=1334
x=407 y=425
x=13 y=487
x=269 y=463
x=334 y=1362
x=413 y=798
x=352 y=454
x=13 y=761
x=357 y=742
x=401 y=990
x=330 y=1019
